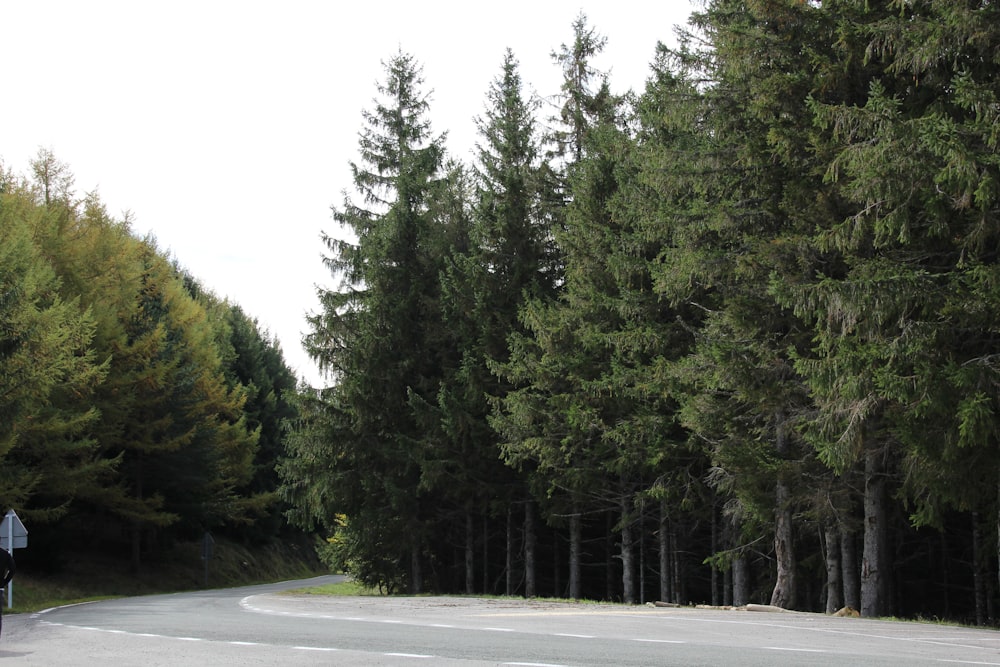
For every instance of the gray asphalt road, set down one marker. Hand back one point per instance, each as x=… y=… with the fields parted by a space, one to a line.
x=258 y=626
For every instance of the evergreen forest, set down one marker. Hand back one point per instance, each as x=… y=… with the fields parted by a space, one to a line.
x=731 y=338
x=137 y=410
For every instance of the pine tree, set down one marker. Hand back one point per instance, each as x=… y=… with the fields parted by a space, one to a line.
x=581 y=108
x=735 y=163
x=167 y=412
x=905 y=327
x=259 y=366
x=48 y=372
x=372 y=334
x=506 y=260
x=512 y=232
x=586 y=95
x=169 y=429
x=587 y=414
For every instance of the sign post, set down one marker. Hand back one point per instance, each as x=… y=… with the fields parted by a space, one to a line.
x=13 y=535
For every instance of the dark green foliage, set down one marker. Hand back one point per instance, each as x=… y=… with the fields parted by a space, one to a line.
x=736 y=332
x=125 y=413
x=48 y=373
x=376 y=335
x=917 y=158
x=259 y=367
x=903 y=340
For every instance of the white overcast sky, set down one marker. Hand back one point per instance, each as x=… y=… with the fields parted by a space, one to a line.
x=226 y=127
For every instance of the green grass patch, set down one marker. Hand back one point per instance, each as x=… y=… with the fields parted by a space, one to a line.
x=32 y=594
x=344 y=589
x=352 y=588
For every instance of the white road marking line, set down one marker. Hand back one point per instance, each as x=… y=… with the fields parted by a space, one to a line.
x=788 y=648
x=660 y=641
x=567 y=634
x=419 y=656
x=833 y=631
x=184 y=639
x=498 y=629
x=64 y=606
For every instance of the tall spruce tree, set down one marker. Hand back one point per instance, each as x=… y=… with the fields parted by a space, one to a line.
x=579 y=419
x=905 y=329
x=665 y=300
x=373 y=332
x=588 y=414
x=745 y=157
x=513 y=229
x=585 y=93
x=502 y=258
x=586 y=102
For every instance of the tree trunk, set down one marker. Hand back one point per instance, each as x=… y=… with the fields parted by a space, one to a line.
x=529 y=549
x=741 y=581
x=510 y=552
x=783 y=594
x=978 y=570
x=875 y=556
x=556 y=567
x=416 y=570
x=609 y=558
x=850 y=574
x=714 y=548
x=680 y=591
x=136 y=539
x=470 y=546
x=642 y=554
x=136 y=523
x=486 y=554
x=834 y=581
x=627 y=553
x=575 y=543
x=944 y=576
x=998 y=535
x=664 y=541
x=730 y=539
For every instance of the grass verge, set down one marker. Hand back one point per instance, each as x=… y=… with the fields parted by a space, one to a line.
x=342 y=589
x=93 y=577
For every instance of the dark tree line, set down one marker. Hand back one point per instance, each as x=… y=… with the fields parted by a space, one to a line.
x=730 y=338
x=136 y=408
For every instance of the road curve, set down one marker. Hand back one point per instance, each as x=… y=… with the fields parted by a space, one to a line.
x=258 y=626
